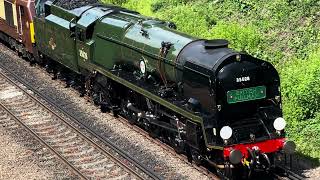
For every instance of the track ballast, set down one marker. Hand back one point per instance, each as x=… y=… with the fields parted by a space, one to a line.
x=76 y=149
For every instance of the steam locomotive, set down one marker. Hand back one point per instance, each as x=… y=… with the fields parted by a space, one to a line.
x=214 y=104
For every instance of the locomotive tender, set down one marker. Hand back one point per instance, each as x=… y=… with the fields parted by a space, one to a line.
x=206 y=100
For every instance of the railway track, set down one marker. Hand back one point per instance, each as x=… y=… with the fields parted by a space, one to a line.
x=76 y=149
x=283 y=175
x=168 y=148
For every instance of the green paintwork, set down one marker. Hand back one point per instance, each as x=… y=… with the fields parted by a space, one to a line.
x=116 y=38
x=121 y=33
x=247 y=94
x=62 y=13
x=85 y=53
x=59 y=46
x=158 y=33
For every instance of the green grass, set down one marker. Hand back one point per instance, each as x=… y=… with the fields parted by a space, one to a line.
x=283 y=32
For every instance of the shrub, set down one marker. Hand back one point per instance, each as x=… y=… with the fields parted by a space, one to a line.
x=242 y=37
x=158 y=5
x=115 y=2
x=301 y=87
x=183 y=15
x=301 y=97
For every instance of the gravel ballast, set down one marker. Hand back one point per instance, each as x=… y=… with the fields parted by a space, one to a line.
x=16 y=162
x=313 y=174
x=23 y=157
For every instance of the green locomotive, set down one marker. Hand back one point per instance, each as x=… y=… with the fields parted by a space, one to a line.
x=201 y=97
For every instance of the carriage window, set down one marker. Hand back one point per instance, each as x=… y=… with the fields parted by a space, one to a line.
x=9 y=13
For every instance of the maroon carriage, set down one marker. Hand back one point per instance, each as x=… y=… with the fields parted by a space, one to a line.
x=16 y=25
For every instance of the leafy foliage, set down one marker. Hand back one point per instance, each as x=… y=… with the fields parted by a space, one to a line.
x=301 y=93
x=117 y=2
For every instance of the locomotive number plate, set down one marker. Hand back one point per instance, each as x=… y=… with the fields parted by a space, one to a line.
x=247 y=94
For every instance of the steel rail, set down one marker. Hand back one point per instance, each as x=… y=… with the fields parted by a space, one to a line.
x=168 y=148
x=281 y=172
x=108 y=154
x=122 y=153
x=291 y=175
x=43 y=142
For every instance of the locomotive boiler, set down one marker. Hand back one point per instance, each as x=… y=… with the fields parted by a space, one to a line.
x=205 y=99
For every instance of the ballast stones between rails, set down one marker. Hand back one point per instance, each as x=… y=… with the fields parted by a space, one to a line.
x=88 y=159
x=23 y=157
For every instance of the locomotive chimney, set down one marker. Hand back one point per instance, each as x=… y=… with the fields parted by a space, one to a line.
x=216 y=43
